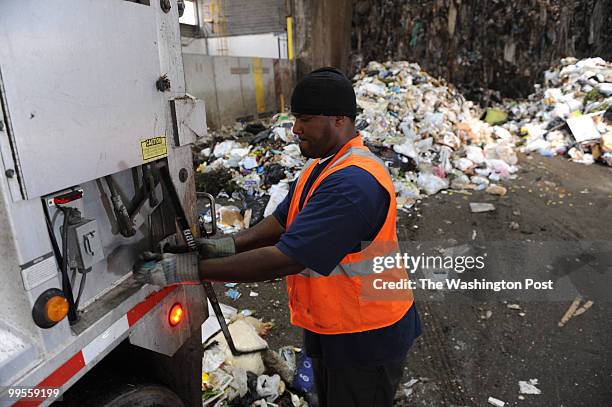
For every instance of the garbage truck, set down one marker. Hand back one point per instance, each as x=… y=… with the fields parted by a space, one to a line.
x=96 y=134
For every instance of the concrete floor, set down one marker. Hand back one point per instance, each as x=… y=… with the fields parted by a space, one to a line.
x=463 y=358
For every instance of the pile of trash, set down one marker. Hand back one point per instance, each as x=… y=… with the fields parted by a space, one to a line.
x=256 y=376
x=251 y=165
x=566 y=114
x=429 y=135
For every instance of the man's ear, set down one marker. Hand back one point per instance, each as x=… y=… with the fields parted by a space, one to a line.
x=339 y=121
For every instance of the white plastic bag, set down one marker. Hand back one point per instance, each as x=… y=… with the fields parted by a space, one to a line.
x=269 y=387
x=277 y=193
x=431 y=184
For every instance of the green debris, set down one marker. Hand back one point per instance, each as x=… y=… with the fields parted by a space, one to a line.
x=207 y=394
x=592 y=96
x=495 y=116
x=415 y=34
x=216 y=181
x=603 y=107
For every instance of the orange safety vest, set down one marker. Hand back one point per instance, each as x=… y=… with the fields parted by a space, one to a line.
x=350 y=299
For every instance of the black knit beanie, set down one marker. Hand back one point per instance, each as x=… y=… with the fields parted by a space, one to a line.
x=324 y=91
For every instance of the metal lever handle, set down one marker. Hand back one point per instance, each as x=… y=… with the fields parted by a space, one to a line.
x=213 y=212
x=126 y=227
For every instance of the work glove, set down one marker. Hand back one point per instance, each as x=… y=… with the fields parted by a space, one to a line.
x=163 y=269
x=208 y=248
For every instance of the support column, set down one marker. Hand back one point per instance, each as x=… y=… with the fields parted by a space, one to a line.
x=322 y=34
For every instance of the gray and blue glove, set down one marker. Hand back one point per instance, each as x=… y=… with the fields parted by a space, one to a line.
x=209 y=248
x=163 y=269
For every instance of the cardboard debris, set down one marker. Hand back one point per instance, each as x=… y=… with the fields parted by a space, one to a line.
x=495 y=189
x=583 y=128
x=230 y=218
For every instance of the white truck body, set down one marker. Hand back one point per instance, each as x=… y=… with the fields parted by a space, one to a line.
x=79 y=102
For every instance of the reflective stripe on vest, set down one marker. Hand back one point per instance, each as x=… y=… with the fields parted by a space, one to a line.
x=347 y=300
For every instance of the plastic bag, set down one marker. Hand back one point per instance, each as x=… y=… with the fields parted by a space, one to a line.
x=277 y=193
x=431 y=184
x=407 y=148
x=475 y=154
x=213 y=358
x=269 y=387
x=238 y=387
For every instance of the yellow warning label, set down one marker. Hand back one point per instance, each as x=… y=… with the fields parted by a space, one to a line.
x=153 y=148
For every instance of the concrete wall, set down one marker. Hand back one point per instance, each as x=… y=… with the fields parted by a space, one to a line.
x=238 y=88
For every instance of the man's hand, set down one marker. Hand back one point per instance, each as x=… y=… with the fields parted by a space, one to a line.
x=209 y=248
x=167 y=269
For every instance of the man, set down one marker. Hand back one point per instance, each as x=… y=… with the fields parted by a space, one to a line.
x=338 y=216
